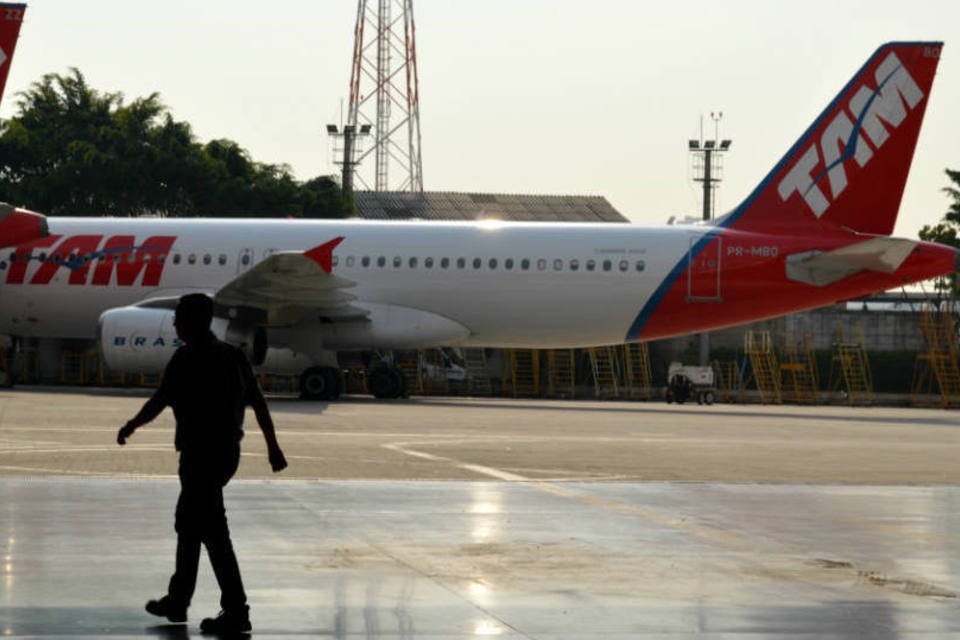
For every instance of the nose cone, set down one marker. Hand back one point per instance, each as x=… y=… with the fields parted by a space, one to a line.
x=18 y=226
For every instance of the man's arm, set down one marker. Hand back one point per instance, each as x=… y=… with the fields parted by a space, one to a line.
x=151 y=408
x=254 y=398
x=259 y=405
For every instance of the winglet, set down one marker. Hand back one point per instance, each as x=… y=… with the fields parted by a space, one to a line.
x=11 y=17
x=323 y=254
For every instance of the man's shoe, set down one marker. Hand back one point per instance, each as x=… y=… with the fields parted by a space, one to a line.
x=166 y=608
x=229 y=622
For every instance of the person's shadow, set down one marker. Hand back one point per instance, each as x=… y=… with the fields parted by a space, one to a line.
x=169 y=631
x=182 y=632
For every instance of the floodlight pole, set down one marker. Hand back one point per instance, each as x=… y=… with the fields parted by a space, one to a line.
x=348 y=160
x=710 y=151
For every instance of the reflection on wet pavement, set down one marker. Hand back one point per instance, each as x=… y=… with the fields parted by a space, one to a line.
x=377 y=559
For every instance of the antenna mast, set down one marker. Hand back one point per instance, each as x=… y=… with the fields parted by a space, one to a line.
x=385 y=95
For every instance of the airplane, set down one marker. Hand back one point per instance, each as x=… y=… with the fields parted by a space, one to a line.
x=816 y=230
x=16 y=225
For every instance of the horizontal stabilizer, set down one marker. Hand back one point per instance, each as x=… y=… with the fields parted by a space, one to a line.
x=821 y=268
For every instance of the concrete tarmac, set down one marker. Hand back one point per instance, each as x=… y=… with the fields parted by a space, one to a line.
x=455 y=518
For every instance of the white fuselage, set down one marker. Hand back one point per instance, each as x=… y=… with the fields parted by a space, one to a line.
x=509 y=284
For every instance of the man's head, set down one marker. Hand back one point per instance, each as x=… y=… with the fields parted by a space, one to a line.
x=193 y=316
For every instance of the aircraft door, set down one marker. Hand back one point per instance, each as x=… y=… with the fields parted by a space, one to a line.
x=245 y=259
x=704 y=270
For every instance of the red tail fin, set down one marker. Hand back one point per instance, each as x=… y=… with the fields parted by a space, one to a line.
x=850 y=167
x=11 y=17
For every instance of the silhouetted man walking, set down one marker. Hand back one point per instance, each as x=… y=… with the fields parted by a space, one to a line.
x=208 y=383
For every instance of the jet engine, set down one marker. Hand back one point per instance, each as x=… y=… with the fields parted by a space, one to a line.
x=142 y=340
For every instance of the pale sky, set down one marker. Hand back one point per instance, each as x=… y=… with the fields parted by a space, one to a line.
x=518 y=96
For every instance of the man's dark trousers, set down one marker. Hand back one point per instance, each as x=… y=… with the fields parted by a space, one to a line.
x=202 y=519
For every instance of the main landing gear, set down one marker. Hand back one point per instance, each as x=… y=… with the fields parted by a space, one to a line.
x=321 y=383
x=386 y=382
x=326 y=383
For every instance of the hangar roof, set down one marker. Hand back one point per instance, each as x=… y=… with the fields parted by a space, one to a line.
x=441 y=205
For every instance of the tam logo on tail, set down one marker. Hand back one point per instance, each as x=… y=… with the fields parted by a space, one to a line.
x=850 y=167
x=895 y=94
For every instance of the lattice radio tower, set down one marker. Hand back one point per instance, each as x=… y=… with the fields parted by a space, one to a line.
x=384 y=95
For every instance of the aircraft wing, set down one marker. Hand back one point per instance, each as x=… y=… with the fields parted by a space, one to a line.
x=289 y=284
x=821 y=268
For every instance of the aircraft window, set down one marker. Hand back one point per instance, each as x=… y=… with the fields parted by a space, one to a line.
x=444 y=263
x=493 y=263
x=42 y=257
x=624 y=265
x=207 y=258
x=132 y=257
x=146 y=257
x=13 y=257
x=192 y=258
x=541 y=264
x=365 y=261
x=640 y=265
x=591 y=265
x=56 y=257
x=413 y=263
x=381 y=261
x=350 y=261
x=525 y=264
x=397 y=262
x=246 y=259
x=574 y=264
x=508 y=263
x=607 y=265
x=557 y=264
x=477 y=263
x=428 y=263
x=222 y=259
x=162 y=258
x=176 y=258
x=101 y=258
x=461 y=263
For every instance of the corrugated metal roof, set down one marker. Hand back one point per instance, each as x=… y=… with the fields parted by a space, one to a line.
x=440 y=205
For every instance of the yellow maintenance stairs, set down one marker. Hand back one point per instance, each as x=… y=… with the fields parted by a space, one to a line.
x=636 y=371
x=798 y=372
x=763 y=364
x=478 y=379
x=937 y=367
x=561 y=373
x=522 y=369
x=850 y=369
x=606 y=372
x=728 y=380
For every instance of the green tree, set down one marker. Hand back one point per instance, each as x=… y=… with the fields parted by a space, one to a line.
x=73 y=150
x=946 y=231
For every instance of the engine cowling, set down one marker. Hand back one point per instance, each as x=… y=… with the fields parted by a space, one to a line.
x=142 y=340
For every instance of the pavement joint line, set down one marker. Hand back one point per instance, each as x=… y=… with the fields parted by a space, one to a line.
x=92 y=474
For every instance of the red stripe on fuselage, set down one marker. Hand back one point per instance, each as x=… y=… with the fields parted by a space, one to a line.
x=754 y=286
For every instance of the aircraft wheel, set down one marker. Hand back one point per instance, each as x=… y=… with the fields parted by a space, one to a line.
x=320 y=383
x=708 y=397
x=386 y=383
